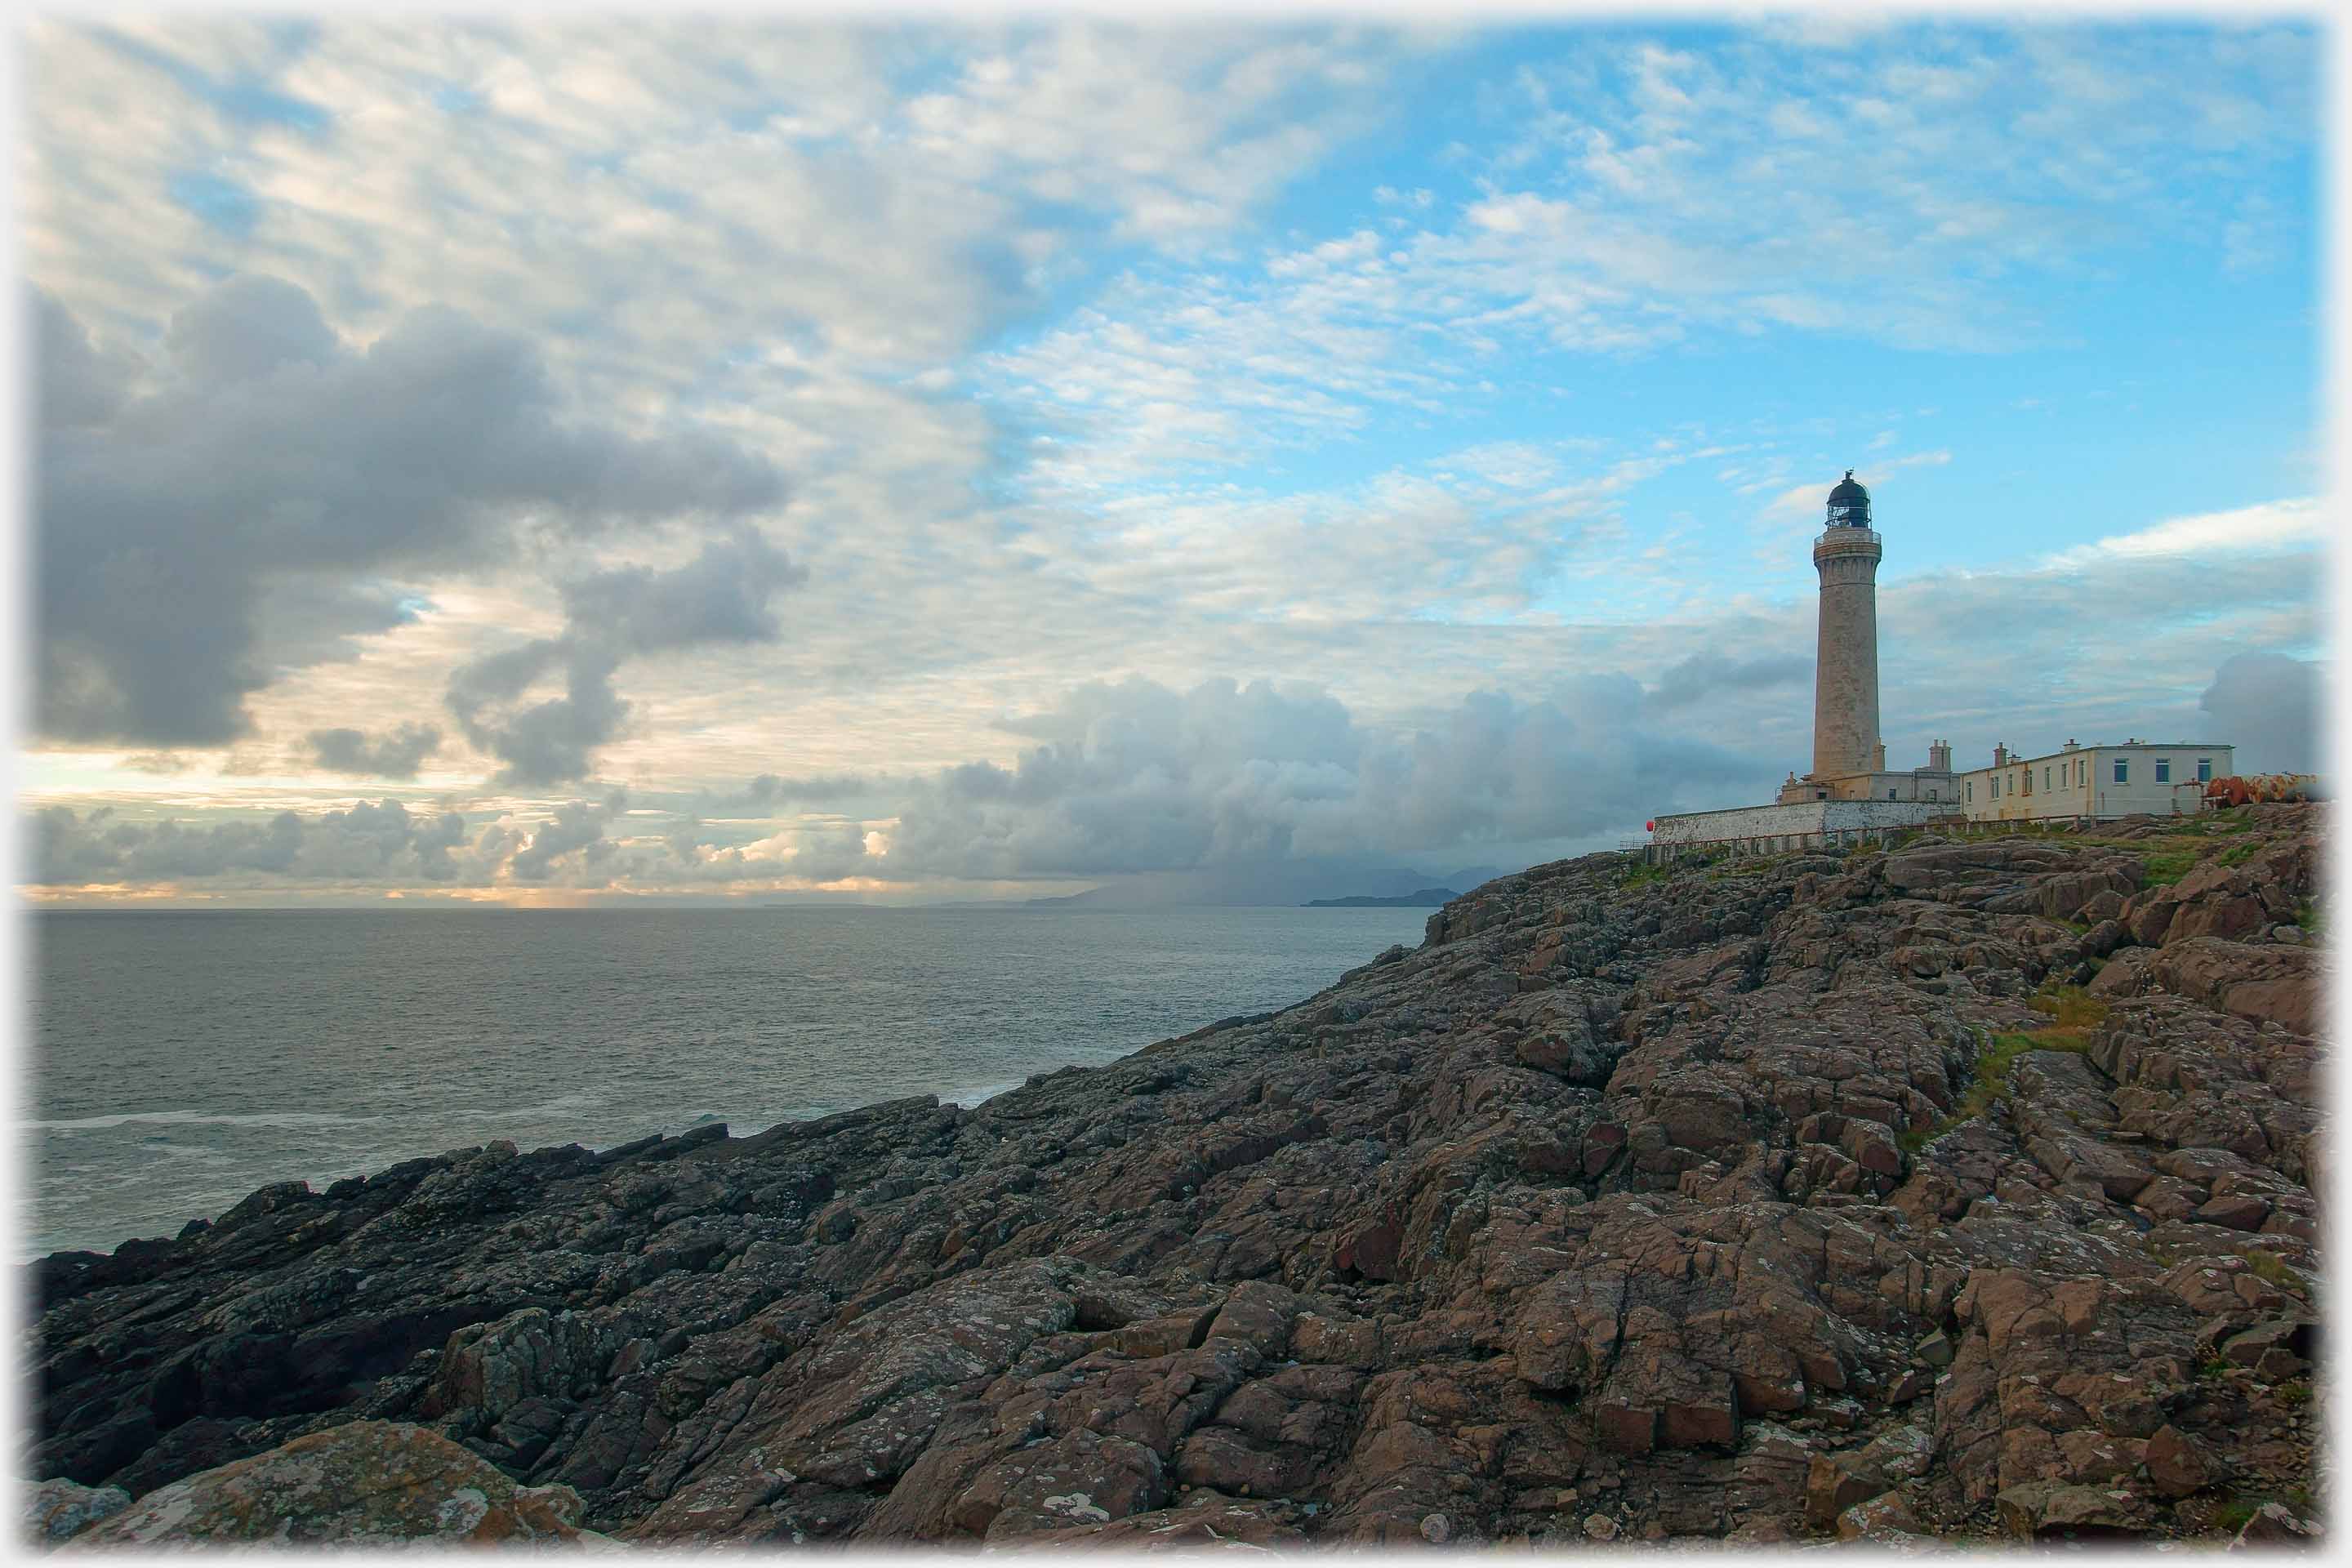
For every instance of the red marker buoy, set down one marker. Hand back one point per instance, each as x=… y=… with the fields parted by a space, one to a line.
x=1650 y=827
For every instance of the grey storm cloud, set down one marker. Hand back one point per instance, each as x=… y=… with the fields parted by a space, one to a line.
x=1135 y=777
x=1705 y=675
x=722 y=595
x=208 y=521
x=2271 y=707
x=550 y=740
x=397 y=756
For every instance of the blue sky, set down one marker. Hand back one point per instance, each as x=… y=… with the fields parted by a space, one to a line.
x=1056 y=452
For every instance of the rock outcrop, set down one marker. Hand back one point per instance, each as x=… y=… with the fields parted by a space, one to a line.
x=1946 y=1191
x=365 y=1483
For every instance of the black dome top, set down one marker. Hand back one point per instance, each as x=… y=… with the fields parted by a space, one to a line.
x=1849 y=504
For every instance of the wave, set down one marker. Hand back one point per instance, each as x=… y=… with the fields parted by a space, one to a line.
x=580 y=1100
x=197 y=1118
x=969 y=1098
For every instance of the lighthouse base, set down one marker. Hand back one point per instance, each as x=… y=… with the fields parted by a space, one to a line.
x=1927 y=784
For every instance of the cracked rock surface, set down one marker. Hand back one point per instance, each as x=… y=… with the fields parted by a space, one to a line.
x=1962 y=1189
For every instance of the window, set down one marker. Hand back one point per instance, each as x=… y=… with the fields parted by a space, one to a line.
x=2204 y=770
x=2164 y=770
x=1972 y=790
x=2082 y=772
x=2045 y=778
x=1890 y=794
x=2123 y=771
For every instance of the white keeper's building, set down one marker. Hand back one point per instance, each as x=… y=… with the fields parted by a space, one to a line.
x=2160 y=778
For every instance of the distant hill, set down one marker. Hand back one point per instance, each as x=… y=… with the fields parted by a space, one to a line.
x=1286 y=884
x=1425 y=899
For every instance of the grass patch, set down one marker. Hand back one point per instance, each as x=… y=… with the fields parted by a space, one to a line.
x=2068 y=1007
x=2240 y=1509
x=2213 y=824
x=2162 y=1257
x=1994 y=1067
x=1643 y=873
x=2238 y=854
x=2213 y=1367
x=2265 y=1265
x=2310 y=917
x=1999 y=1055
x=2166 y=858
x=2297 y=1393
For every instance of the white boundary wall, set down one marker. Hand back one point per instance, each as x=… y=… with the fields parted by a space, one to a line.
x=1807 y=825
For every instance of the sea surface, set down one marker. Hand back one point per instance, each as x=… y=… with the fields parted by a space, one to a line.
x=181 y=1059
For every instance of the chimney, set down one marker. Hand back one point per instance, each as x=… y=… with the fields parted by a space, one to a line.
x=1999 y=756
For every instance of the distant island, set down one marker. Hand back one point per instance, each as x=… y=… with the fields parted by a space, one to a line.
x=1426 y=898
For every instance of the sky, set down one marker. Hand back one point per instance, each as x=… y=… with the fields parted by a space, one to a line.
x=552 y=462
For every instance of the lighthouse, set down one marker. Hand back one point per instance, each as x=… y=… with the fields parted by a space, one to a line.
x=1850 y=797
x=1845 y=667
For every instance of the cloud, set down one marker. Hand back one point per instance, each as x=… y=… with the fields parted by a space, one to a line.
x=548 y=740
x=397 y=756
x=2271 y=707
x=1136 y=777
x=2300 y=520
x=380 y=845
x=265 y=455
x=1709 y=674
x=1208 y=122
x=720 y=597
x=75 y=384
x=377 y=843
x=1934 y=190
x=769 y=790
x=578 y=829
x=1069 y=378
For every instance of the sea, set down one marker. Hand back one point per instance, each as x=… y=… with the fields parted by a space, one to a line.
x=179 y=1060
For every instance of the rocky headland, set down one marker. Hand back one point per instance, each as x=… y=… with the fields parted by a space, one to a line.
x=1965 y=1189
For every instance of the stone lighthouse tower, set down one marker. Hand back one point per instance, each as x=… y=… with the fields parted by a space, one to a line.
x=1845 y=671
